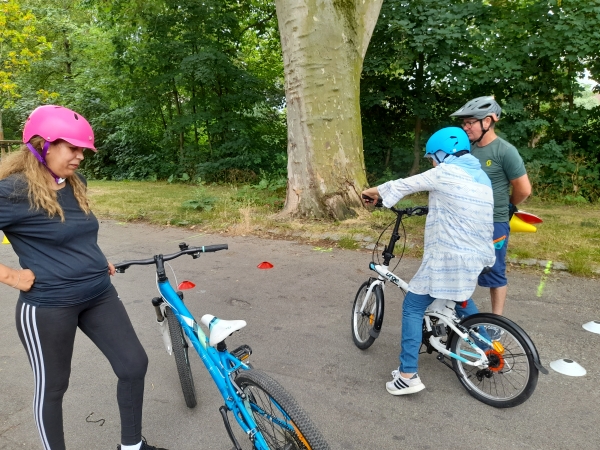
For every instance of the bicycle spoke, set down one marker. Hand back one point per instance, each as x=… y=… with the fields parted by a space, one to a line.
x=508 y=371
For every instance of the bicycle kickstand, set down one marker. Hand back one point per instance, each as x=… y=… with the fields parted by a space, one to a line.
x=223 y=411
x=441 y=358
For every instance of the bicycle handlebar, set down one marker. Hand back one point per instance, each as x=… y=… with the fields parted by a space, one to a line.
x=185 y=250
x=416 y=211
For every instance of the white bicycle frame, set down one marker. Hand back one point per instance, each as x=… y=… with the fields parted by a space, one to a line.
x=443 y=310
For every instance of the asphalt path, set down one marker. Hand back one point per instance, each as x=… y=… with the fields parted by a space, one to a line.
x=298 y=316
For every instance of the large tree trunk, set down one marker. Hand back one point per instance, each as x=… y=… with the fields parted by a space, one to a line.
x=324 y=43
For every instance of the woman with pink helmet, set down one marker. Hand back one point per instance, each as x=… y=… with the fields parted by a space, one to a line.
x=64 y=282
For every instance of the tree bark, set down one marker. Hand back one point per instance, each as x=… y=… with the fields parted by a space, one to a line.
x=324 y=43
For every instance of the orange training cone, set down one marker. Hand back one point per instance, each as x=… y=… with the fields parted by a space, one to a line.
x=528 y=217
x=265 y=265
x=185 y=284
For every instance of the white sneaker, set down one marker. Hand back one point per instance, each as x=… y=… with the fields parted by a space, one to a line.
x=403 y=386
x=495 y=333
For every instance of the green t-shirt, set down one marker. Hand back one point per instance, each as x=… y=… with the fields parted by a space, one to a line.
x=501 y=162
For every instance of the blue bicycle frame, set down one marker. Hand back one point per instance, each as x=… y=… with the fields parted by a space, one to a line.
x=220 y=365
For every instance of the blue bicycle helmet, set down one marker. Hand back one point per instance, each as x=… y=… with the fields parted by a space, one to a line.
x=450 y=141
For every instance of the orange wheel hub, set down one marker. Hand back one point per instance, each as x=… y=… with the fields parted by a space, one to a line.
x=495 y=359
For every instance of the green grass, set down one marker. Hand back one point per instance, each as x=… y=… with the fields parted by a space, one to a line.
x=570 y=233
x=348 y=243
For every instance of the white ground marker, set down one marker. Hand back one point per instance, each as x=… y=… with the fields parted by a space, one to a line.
x=593 y=326
x=568 y=367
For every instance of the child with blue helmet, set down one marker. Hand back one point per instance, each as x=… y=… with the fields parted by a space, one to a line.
x=458 y=240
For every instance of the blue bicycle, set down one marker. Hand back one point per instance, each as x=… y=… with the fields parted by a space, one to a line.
x=267 y=414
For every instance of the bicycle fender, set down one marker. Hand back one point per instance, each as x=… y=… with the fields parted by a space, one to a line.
x=374 y=332
x=531 y=346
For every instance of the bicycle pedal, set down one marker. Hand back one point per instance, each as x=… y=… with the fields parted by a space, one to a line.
x=242 y=353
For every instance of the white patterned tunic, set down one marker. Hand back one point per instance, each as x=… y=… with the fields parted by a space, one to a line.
x=458 y=229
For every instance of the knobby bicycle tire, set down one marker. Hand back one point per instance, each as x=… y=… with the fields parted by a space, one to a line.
x=362 y=323
x=512 y=375
x=180 y=351
x=270 y=404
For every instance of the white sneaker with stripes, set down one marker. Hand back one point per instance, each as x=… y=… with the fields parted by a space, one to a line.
x=403 y=386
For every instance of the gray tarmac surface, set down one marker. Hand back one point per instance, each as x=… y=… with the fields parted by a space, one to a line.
x=298 y=316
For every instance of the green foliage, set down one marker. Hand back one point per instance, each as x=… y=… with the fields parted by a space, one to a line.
x=188 y=89
x=348 y=243
x=413 y=68
x=169 y=87
x=270 y=191
x=212 y=110
x=428 y=58
x=271 y=183
x=20 y=46
x=203 y=200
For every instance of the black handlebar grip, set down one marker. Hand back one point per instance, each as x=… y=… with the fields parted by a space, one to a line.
x=214 y=248
x=368 y=199
x=121 y=267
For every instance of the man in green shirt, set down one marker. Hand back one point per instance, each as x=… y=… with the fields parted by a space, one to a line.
x=504 y=166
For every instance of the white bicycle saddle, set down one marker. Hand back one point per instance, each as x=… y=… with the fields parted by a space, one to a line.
x=220 y=329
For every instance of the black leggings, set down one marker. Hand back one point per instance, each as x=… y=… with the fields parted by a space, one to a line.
x=48 y=335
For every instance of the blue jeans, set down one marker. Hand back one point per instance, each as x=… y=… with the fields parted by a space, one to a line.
x=413 y=311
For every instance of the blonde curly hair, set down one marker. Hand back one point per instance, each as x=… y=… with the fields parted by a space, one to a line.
x=41 y=195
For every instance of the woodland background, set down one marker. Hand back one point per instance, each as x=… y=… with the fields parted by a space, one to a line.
x=193 y=90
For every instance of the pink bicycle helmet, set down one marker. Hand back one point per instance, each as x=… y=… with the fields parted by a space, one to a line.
x=57 y=122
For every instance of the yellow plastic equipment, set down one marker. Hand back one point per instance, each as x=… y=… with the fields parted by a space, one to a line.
x=5 y=240
x=518 y=225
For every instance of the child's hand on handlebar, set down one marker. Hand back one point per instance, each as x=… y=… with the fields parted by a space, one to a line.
x=370 y=196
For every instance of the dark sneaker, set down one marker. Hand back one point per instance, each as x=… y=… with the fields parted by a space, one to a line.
x=403 y=386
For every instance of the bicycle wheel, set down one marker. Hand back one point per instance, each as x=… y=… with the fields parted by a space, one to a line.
x=362 y=321
x=511 y=376
x=282 y=423
x=180 y=351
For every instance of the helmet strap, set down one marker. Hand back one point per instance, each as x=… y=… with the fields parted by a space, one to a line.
x=438 y=159
x=42 y=159
x=482 y=131
x=45 y=149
